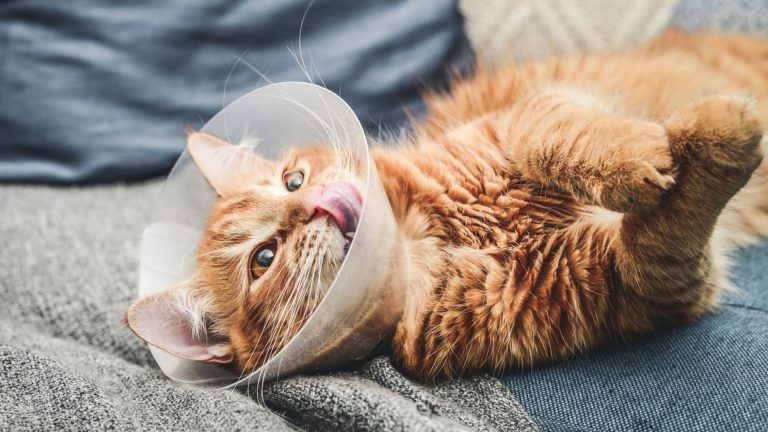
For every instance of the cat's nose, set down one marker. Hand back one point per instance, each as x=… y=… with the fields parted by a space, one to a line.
x=299 y=207
x=310 y=195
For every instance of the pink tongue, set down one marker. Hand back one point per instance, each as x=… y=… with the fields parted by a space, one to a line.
x=343 y=202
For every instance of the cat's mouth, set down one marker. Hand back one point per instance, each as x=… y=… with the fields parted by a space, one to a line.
x=343 y=203
x=348 y=241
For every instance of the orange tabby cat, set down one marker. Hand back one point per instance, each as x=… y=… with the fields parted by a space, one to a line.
x=548 y=207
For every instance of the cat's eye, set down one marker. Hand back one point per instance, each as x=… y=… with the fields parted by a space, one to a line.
x=293 y=180
x=261 y=260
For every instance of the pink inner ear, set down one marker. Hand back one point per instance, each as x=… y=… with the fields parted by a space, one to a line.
x=224 y=165
x=160 y=320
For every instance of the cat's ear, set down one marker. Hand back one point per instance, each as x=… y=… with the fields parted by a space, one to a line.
x=175 y=321
x=224 y=165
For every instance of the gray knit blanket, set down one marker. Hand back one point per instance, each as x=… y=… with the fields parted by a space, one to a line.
x=68 y=271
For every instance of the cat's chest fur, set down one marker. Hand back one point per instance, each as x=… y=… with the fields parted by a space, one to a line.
x=458 y=192
x=470 y=226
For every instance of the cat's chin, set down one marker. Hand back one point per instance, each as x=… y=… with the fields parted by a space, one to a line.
x=333 y=233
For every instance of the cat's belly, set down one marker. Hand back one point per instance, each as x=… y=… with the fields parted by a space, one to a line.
x=496 y=263
x=497 y=282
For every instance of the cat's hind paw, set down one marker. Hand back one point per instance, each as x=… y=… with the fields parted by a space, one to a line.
x=721 y=133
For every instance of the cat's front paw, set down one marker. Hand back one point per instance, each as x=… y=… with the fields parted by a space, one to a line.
x=638 y=177
x=635 y=185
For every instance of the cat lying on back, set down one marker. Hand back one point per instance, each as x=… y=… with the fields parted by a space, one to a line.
x=548 y=207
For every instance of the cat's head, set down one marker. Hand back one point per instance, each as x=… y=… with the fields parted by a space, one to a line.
x=273 y=244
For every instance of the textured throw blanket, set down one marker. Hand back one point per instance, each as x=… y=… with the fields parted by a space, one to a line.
x=68 y=261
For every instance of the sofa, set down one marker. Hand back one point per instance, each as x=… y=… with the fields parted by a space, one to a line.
x=94 y=98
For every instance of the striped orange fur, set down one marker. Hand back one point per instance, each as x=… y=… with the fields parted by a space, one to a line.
x=549 y=207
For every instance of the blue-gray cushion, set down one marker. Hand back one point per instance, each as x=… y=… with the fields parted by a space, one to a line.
x=94 y=91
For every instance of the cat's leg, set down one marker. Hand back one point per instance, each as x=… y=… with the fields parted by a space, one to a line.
x=664 y=255
x=577 y=143
x=745 y=219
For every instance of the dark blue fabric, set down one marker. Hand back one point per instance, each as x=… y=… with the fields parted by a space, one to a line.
x=708 y=376
x=97 y=91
